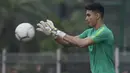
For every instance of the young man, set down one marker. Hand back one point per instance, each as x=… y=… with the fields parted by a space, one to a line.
x=98 y=39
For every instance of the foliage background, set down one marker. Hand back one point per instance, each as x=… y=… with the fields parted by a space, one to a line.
x=68 y=15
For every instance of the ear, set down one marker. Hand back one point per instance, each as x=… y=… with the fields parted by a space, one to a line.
x=98 y=15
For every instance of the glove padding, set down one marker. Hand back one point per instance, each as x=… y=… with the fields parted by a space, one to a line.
x=42 y=27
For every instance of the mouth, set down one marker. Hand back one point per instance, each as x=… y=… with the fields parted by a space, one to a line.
x=87 y=22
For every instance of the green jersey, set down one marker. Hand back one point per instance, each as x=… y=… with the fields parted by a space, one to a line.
x=101 y=52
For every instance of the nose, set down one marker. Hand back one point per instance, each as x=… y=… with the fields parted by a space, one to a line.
x=86 y=18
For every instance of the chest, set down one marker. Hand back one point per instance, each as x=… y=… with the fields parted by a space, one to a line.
x=91 y=32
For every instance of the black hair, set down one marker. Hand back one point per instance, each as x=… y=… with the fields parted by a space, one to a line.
x=96 y=7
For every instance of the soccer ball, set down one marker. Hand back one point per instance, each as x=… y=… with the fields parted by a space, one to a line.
x=24 y=32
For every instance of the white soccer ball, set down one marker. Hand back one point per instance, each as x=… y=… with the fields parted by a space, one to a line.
x=24 y=32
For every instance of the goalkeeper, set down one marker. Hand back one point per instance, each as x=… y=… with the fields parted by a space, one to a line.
x=98 y=39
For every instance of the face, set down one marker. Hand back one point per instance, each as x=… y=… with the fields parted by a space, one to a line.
x=91 y=18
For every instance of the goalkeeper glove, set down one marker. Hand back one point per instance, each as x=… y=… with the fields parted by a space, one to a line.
x=43 y=28
x=55 y=32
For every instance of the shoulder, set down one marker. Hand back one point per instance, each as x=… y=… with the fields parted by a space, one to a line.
x=107 y=30
x=108 y=33
x=103 y=31
x=85 y=33
x=89 y=29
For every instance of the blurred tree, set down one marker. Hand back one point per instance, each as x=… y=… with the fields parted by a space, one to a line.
x=12 y=13
x=67 y=16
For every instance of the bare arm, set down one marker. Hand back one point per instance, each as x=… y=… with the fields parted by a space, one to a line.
x=77 y=41
x=63 y=42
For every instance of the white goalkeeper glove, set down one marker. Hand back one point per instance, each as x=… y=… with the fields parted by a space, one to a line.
x=42 y=27
x=55 y=32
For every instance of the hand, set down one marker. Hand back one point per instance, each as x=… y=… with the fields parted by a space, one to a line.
x=42 y=27
x=55 y=32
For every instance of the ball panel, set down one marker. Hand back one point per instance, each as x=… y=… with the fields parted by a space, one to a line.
x=17 y=36
x=24 y=32
x=31 y=32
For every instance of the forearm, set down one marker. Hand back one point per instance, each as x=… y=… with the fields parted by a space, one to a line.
x=64 y=42
x=61 y=41
x=73 y=40
x=78 y=41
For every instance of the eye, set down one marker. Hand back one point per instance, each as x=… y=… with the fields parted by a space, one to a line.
x=88 y=15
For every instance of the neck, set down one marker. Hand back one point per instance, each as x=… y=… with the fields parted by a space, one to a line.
x=99 y=24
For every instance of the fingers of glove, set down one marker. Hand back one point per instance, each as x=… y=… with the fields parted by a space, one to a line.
x=44 y=31
x=46 y=25
x=42 y=22
x=40 y=25
x=39 y=29
x=50 y=22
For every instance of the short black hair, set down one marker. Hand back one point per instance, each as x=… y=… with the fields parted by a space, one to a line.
x=96 y=7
